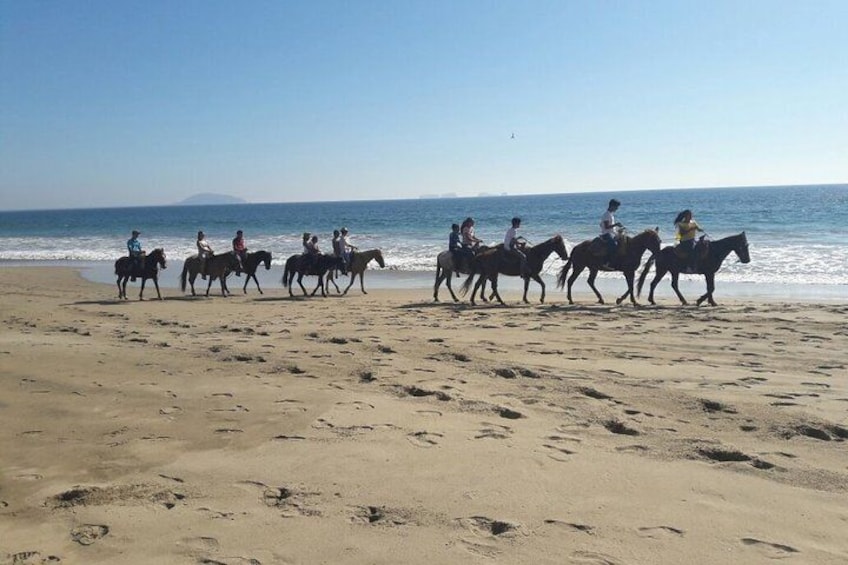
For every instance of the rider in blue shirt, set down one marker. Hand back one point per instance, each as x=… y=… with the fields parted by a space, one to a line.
x=135 y=251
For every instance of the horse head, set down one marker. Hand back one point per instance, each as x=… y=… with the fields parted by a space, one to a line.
x=266 y=260
x=653 y=243
x=741 y=248
x=379 y=257
x=158 y=256
x=559 y=247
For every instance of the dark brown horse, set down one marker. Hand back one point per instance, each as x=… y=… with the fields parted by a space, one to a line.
x=318 y=266
x=251 y=263
x=631 y=248
x=499 y=261
x=707 y=264
x=125 y=269
x=217 y=267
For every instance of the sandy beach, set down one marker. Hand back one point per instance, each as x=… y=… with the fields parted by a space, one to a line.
x=386 y=428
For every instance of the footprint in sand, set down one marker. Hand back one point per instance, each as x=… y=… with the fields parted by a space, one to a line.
x=483 y=526
x=768 y=549
x=657 y=532
x=558 y=453
x=493 y=431
x=586 y=529
x=593 y=558
x=87 y=534
x=424 y=439
x=28 y=558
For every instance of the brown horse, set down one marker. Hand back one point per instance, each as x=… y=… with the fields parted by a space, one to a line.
x=499 y=261
x=125 y=269
x=447 y=266
x=217 y=267
x=632 y=249
x=707 y=264
x=319 y=266
x=358 y=263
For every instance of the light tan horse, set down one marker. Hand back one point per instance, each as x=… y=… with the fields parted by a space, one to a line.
x=358 y=263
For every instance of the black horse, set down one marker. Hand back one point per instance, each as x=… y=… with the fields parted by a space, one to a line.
x=149 y=269
x=707 y=264
x=251 y=263
x=497 y=261
x=318 y=265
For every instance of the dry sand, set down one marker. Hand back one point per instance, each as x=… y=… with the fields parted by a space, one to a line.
x=389 y=429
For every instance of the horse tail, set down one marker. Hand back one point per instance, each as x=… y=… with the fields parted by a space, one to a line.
x=286 y=275
x=563 y=273
x=183 y=276
x=644 y=274
x=466 y=286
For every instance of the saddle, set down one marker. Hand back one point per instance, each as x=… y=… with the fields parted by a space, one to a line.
x=598 y=248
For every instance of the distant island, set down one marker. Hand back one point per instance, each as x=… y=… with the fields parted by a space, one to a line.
x=207 y=198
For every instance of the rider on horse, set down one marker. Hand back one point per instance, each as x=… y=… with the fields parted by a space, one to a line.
x=347 y=248
x=687 y=229
x=240 y=251
x=514 y=244
x=204 y=252
x=609 y=231
x=136 y=253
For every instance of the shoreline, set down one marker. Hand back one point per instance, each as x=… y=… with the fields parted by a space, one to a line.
x=610 y=285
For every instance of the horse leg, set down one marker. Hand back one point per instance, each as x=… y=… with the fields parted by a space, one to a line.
x=539 y=280
x=314 y=290
x=141 y=292
x=247 y=280
x=191 y=279
x=575 y=272
x=321 y=284
x=450 y=286
x=120 y=295
x=156 y=283
x=223 y=286
x=710 y=288
x=300 y=282
x=259 y=288
x=628 y=276
x=526 y=286
x=675 y=276
x=593 y=273
x=440 y=276
x=331 y=278
x=350 y=284
x=658 y=275
x=362 y=282
x=495 y=293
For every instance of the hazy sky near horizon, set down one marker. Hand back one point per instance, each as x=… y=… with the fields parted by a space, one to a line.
x=108 y=103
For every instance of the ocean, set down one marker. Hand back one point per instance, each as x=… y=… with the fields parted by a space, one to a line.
x=797 y=235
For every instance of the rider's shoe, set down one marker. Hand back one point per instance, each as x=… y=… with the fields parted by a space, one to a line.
x=132 y=279
x=203 y=276
x=238 y=273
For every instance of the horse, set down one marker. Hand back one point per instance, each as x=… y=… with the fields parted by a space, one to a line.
x=632 y=249
x=499 y=261
x=125 y=269
x=358 y=263
x=707 y=264
x=446 y=267
x=251 y=263
x=319 y=267
x=217 y=267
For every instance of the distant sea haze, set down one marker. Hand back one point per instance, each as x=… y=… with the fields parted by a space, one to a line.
x=795 y=233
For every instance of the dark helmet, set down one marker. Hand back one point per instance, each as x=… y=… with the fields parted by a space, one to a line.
x=336 y=233
x=454 y=227
x=516 y=221
x=614 y=203
x=135 y=233
x=239 y=232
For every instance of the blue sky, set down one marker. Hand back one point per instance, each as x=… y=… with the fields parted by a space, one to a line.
x=108 y=103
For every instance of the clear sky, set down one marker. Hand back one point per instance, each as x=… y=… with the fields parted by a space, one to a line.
x=108 y=103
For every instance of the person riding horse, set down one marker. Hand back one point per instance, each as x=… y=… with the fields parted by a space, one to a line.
x=240 y=250
x=515 y=244
x=136 y=254
x=347 y=249
x=204 y=252
x=687 y=230
x=610 y=230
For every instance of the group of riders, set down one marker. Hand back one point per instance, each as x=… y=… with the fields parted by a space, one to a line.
x=342 y=247
x=464 y=244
